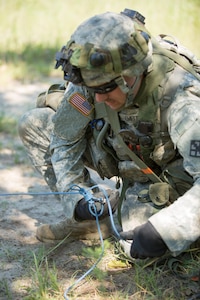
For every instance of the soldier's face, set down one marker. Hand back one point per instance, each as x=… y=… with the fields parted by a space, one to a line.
x=114 y=99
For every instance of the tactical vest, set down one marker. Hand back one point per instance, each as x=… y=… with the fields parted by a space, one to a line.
x=154 y=97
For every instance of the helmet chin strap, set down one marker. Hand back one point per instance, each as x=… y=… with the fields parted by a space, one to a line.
x=122 y=84
x=131 y=91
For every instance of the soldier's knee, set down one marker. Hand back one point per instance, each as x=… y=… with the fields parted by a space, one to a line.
x=34 y=120
x=25 y=123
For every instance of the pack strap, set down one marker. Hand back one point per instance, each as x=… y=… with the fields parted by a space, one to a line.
x=177 y=58
x=114 y=122
x=111 y=117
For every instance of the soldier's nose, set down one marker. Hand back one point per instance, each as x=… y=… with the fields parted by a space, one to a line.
x=101 y=97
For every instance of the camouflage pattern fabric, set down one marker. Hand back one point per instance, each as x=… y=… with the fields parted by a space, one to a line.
x=179 y=223
x=58 y=140
x=57 y=145
x=35 y=128
x=112 y=40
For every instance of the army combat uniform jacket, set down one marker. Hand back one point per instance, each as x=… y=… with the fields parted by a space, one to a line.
x=69 y=135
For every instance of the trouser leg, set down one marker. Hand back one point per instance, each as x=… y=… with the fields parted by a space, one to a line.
x=35 y=128
x=137 y=207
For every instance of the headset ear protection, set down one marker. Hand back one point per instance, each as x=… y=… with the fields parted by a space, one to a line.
x=71 y=73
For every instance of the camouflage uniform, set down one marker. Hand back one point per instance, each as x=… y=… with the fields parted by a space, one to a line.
x=58 y=142
x=178 y=224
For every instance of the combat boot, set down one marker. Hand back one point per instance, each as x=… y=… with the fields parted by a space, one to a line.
x=79 y=229
x=73 y=230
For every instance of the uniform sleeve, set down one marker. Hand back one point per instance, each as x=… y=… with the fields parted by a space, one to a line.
x=179 y=224
x=68 y=143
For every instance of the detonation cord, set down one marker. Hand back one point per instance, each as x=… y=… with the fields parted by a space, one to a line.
x=88 y=196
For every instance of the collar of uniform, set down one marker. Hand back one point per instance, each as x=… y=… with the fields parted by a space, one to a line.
x=161 y=66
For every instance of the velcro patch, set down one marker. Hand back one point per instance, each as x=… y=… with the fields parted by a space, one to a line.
x=79 y=102
x=195 y=148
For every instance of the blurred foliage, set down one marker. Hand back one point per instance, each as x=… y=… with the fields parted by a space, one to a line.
x=8 y=125
x=33 y=30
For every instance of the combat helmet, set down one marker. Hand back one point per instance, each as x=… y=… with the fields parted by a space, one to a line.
x=105 y=48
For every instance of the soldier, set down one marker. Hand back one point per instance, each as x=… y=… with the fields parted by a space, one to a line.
x=130 y=109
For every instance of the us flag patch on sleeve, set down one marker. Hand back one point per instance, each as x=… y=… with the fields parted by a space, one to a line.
x=79 y=102
x=195 y=148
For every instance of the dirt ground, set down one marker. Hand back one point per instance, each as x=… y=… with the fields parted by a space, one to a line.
x=20 y=215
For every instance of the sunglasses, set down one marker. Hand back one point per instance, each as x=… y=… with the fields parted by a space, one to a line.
x=105 y=88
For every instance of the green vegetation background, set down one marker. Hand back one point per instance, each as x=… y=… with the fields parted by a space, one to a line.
x=32 y=31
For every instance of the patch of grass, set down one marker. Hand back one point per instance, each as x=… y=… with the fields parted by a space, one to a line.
x=147 y=282
x=9 y=254
x=164 y=278
x=168 y=278
x=44 y=281
x=31 y=63
x=44 y=275
x=94 y=252
x=5 y=288
x=34 y=31
x=8 y=125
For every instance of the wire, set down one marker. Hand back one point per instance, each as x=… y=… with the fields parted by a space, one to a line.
x=89 y=197
x=109 y=209
x=94 y=265
x=36 y=194
x=93 y=211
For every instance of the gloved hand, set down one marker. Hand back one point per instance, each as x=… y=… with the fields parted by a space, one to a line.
x=146 y=242
x=82 y=211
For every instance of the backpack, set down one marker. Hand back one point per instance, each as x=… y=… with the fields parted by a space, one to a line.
x=51 y=97
x=172 y=48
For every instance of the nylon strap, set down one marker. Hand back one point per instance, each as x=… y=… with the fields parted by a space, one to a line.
x=178 y=58
x=114 y=122
x=111 y=116
x=125 y=184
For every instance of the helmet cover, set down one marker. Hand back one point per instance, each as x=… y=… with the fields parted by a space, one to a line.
x=107 y=46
